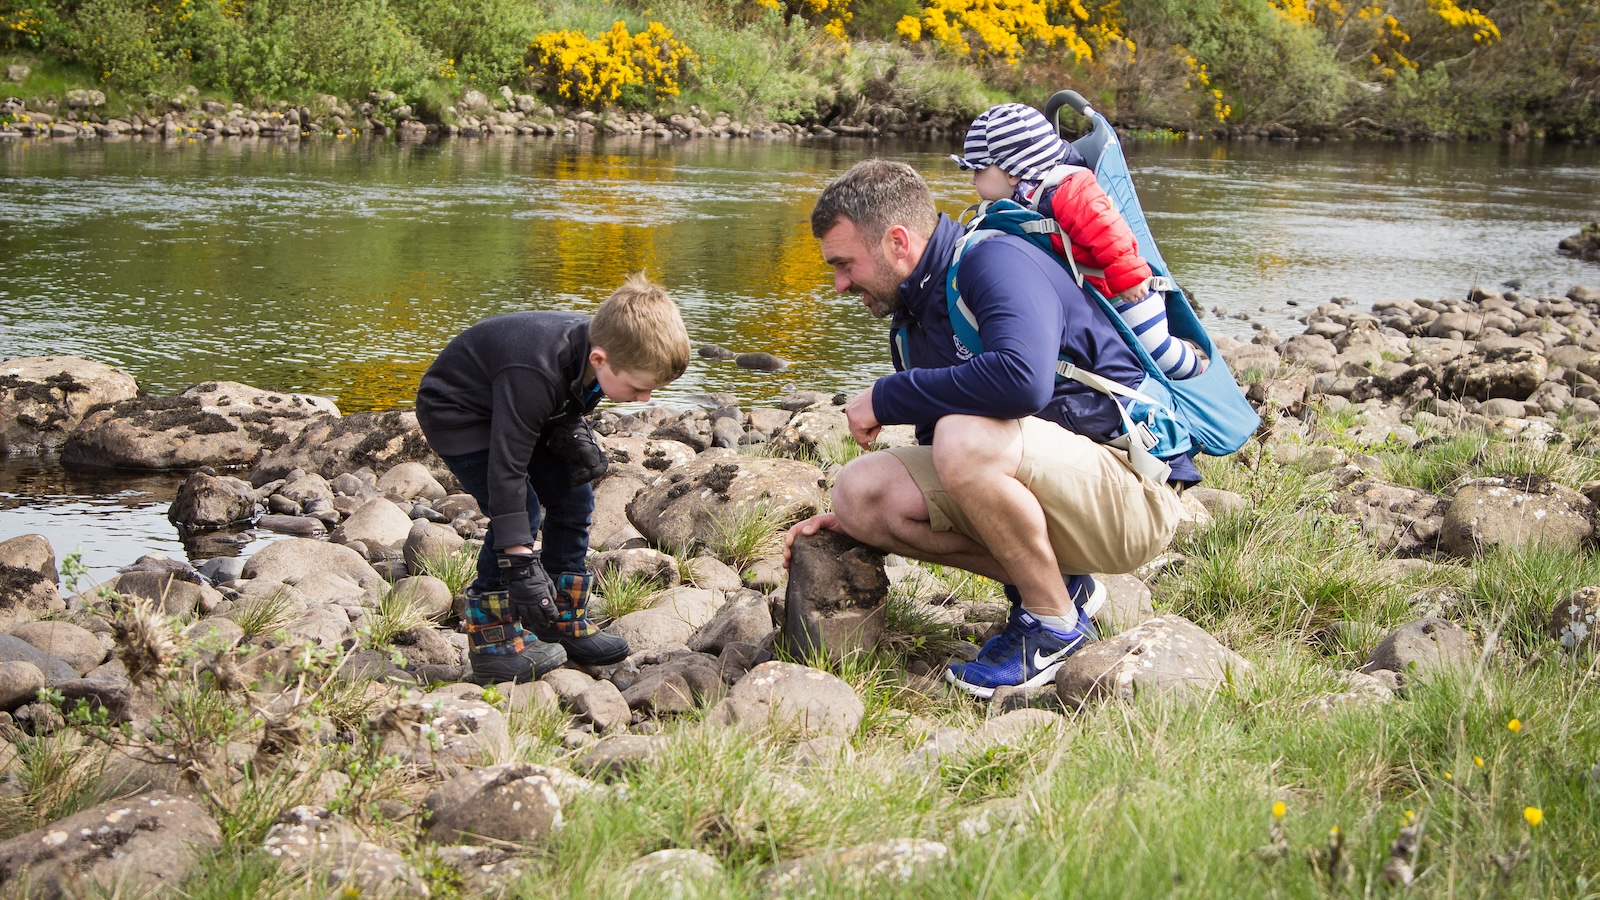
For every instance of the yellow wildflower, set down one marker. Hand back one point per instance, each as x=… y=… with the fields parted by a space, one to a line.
x=1533 y=814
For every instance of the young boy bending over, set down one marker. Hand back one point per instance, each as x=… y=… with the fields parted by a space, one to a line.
x=504 y=406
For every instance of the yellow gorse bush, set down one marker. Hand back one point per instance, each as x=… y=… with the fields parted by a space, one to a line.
x=832 y=15
x=1001 y=30
x=18 y=24
x=593 y=71
x=1382 y=31
x=655 y=57
x=1483 y=29
x=1220 y=109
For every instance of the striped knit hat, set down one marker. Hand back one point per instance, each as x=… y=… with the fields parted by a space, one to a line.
x=1014 y=137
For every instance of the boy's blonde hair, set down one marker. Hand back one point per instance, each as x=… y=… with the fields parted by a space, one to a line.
x=641 y=330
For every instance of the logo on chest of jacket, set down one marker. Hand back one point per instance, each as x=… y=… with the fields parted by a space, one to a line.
x=962 y=352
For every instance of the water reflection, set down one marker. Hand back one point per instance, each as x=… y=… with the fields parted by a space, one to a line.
x=112 y=521
x=342 y=267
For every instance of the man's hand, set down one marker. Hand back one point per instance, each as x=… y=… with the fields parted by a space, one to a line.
x=532 y=592
x=808 y=527
x=863 y=421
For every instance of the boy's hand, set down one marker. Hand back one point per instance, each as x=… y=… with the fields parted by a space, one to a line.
x=862 y=420
x=808 y=527
x=575 y=444
x=532 y=592
x=1136 y=293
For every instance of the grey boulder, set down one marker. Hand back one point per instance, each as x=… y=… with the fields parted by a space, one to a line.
x=836 y=595
x=44 y=398
x=1574 y=620
x=1166 y=655
x=144 y=843
x=878 y=865
x=216 y=424
x=1513 y=512
x=311 y=841
x=792 y=701
x=692 y=504
x=514 y=803
x=207 y=501
x=1422 y=648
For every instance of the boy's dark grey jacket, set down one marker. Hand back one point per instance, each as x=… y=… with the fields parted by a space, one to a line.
x=496 y=387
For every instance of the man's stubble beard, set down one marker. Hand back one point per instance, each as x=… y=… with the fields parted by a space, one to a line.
x=884 y=303
x=882 y=307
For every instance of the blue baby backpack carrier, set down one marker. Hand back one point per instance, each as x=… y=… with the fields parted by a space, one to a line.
x=1163 y=418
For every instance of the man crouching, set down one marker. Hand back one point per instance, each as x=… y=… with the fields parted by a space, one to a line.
x=1011 y=478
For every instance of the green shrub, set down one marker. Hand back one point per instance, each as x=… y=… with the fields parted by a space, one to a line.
x=756 y=68
x=112 y=38
x=485 y=38
x=349 y=47
x=1269 y=69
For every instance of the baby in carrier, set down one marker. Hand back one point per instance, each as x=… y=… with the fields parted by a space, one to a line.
x=1011 y=150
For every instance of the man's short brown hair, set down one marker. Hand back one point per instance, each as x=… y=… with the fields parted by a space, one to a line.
x=641 y=330
x=875 y=195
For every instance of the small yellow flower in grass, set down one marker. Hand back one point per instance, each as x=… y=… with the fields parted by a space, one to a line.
x=1449 y=777
x=1533 y=814
x=1410 y=818
x=1477 y=761
x=1279 y=810
x=1515 y=725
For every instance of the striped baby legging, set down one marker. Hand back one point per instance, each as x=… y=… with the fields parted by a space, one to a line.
x=1148 y=319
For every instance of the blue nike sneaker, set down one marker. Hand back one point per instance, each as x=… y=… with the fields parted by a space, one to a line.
x=1025 y=654
x=1087 y=594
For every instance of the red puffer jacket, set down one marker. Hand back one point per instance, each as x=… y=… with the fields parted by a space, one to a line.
x=1100 y=236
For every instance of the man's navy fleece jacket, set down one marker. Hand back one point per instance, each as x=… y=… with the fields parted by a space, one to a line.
x=1029 y=313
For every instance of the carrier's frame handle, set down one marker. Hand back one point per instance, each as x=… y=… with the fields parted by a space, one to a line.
x=1052 y=107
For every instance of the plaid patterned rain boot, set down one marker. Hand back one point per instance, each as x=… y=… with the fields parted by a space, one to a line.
x=586 y=644
x=499 y=649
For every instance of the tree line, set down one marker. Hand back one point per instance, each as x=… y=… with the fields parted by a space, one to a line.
x=1523 y=68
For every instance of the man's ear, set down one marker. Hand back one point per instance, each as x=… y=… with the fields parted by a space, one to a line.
x=897 y=242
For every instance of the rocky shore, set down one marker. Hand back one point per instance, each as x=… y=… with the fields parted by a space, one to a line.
x=81 y=114
x=342 y=635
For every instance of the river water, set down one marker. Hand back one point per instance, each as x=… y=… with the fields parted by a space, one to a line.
x=340 y=268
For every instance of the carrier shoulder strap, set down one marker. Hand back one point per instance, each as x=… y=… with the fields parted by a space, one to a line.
x=1136 y=439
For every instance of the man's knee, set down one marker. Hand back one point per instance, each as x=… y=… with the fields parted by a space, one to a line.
x=975 y=448
x=869 y=490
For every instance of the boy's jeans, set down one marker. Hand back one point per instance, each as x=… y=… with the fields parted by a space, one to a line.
x=562 y=509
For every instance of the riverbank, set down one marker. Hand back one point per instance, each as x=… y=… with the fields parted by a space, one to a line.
x=80 y=115
x=1388 y=597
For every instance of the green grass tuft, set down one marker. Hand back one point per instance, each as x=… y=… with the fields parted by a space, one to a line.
x=397 y=612
x=747 y=533
x=616 y=595
x=264 y=615
x=457 y=570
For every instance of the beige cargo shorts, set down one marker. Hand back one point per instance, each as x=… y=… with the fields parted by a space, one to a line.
x=1100 y=514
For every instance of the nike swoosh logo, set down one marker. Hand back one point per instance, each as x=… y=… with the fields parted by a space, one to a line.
x=1041 y=661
